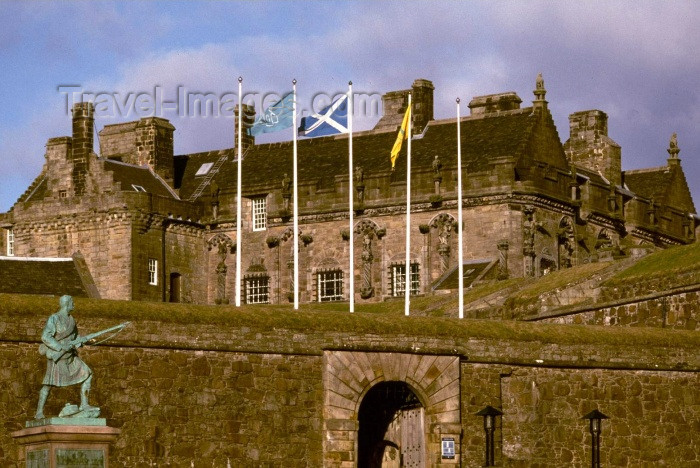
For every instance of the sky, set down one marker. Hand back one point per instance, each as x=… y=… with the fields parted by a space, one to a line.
x=637 y=61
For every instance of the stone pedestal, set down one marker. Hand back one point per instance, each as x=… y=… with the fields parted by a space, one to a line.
x=65 y=442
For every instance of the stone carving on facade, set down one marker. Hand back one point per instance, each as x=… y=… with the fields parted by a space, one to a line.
x=359 y=180
x=305 y=240
x=445 y=225
x=369 y=231
x=673 y=149
x=612 y=199
x=214 y=193
x=286 y=191
x=503 y=259
x=529 y=230
x=224 y=245
x=437 y=173
x=651 y=211
x=566 y=243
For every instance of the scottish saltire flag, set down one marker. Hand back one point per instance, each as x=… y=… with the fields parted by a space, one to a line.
x=276 y=117
x=331 y=120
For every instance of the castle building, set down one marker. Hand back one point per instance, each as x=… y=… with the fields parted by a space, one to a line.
x=156 y=226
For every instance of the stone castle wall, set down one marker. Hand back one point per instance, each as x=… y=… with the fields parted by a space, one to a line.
x=249 y=388
x=670 y=309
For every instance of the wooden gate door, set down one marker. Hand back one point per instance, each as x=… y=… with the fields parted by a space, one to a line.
x=413 y=437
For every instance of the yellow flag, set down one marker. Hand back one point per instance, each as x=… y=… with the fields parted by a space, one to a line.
x=403 y=135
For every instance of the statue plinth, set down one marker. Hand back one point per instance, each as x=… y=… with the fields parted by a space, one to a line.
x=59 y=442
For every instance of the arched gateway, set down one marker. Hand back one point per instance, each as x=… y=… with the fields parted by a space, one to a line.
x=385 y=409
x=392 y=428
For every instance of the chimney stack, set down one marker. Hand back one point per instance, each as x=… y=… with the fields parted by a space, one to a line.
x=394 y=104
x=590 y=147
x=82 y=143
x=248 y=120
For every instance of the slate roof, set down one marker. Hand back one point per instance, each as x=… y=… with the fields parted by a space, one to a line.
x=648 y=183
x=128 y=175
x=667 y=185
x=54 y=277
x=321 y=159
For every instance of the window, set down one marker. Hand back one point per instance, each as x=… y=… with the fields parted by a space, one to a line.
x=153 y=271
x=257 y=290
x=330 y=286
x=10 y=243
x=398 y=279
x=63 y=194
x=204 y=169
x=259 y=214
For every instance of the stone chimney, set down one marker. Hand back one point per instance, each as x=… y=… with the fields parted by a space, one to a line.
x=154 y=146
x=82 y=143
x=395 y=102
x=247 y=140
x=492 y=103
x=590 y=147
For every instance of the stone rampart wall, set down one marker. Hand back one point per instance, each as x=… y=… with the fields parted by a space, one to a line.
x=199 y=385
x=678 y=308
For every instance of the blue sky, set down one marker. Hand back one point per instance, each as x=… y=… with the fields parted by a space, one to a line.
x=637 y=61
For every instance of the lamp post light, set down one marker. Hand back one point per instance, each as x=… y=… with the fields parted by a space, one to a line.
x=596 y=418
x=489 y=413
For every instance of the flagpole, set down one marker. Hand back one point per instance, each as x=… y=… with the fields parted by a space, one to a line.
x=239 y=237
x=407 y=276
x=351 y=201
x=459 y=212
x=295 y=200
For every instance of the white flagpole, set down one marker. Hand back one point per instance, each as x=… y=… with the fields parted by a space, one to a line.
x=459 y=212
x=239 y=237
x=407 y=276
x=351 y=201
x=295 y=200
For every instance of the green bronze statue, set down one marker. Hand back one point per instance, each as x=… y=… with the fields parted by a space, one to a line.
x=60 y=343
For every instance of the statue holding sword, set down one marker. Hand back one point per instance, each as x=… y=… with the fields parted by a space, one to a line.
x=60 y=342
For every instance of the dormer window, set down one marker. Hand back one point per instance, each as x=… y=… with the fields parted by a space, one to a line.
x=138 y=188
x=204 y=169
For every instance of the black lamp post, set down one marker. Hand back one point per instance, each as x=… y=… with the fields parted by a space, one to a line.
x=489 y=413
x=596 y=418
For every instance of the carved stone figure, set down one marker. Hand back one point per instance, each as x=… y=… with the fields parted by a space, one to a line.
x=503 y=259
x=360 y=184
x=368 y=230
x=529 y=228
x=221 y=270
x=437 y=173
x=444 y=224
x=359 y=176
x=539 y=82
x=286 y=185
x=286 y=191
x=60 y=341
